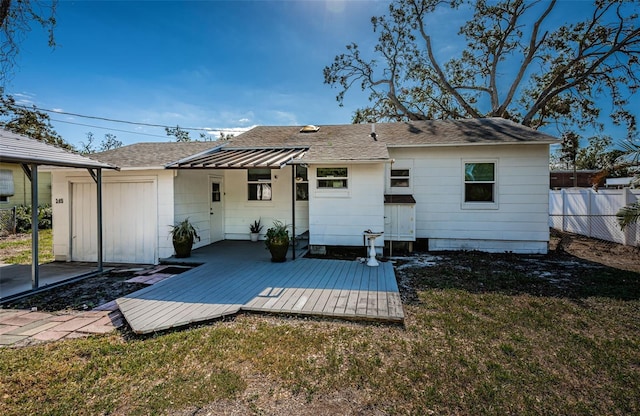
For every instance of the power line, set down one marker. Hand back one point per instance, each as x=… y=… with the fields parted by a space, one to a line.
x=113 y=120
x=109 y=128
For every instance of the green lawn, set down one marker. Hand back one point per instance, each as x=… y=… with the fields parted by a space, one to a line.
x=460 y=352
x=16 y=249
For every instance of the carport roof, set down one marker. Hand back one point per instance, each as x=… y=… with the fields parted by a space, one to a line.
x=16 y=148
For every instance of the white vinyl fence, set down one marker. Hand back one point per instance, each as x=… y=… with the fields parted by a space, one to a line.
x=593 y=213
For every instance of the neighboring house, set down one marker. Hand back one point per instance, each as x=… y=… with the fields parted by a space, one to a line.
x=15 y=187
x=479 y=184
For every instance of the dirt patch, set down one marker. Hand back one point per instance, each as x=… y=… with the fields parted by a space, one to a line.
x=598 y=251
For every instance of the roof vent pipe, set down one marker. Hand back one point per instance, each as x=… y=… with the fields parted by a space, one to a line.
x=373 y=131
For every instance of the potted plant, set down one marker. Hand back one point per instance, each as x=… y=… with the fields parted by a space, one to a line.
x=183 y=235
x=254 y=230
x=277 y=241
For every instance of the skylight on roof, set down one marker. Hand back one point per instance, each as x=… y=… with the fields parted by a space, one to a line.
x=310 y=128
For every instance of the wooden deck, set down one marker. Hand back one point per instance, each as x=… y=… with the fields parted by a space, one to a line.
x=331 y=288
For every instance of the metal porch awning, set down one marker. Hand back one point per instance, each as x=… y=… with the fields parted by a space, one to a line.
x=222 y=158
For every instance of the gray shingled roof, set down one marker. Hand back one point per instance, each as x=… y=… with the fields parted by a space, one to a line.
x=152 y=155
x=348 y=142
x=431 y=132
x=16 y=148
x=478 y=131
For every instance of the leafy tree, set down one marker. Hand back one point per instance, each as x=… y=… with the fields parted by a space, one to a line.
x=16 y=19
x=599 y=155
x=29 y=121
x=227 y=136
x=569 y=151
x=108 y=143
x=180 y=134
x=516 y=65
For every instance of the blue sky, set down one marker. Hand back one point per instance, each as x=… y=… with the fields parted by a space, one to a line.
x=204 y=64
x=195 y=64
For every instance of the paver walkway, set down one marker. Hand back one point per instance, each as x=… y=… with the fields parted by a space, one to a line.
x=19 y=328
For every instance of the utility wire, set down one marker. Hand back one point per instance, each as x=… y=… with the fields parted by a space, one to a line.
x=109 y=128
x=111 y=119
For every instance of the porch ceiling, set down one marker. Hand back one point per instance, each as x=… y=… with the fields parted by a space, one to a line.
x=221 y=158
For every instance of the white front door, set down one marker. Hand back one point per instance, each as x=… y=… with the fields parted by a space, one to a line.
x=216 y=209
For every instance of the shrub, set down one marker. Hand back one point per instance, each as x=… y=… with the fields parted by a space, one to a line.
x=23 y=218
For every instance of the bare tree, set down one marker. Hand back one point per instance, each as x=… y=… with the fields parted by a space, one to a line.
x=16 y=20
x=515 y=65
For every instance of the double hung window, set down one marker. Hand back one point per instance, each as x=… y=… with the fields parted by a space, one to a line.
x=480 y=182
x=259 y=184
x=332 y=178
x=400 y=178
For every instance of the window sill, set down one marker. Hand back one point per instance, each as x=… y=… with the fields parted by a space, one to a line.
x=479 y=206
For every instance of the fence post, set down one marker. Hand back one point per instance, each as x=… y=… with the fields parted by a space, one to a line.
x=590 y=196
x=629 y=232
x=564 y=207
x=14 y=220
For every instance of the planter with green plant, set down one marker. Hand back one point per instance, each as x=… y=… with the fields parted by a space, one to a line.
x=277 y=241
x=254 y=230
x=183 y=235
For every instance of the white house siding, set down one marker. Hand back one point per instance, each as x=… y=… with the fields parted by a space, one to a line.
x=339 y=217
x=137 y=207
x=191 y=200
x=240 y=212
x=519 y=221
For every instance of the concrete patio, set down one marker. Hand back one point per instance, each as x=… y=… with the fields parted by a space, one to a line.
x=15 y=279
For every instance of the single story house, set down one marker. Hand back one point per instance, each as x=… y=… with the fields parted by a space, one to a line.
x=477 y=184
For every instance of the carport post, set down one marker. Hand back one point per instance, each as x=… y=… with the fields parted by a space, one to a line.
x=97 y=177
x=99 y=208
x=34 y=227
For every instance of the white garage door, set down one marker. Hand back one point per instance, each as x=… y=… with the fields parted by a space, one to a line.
x=129 y=217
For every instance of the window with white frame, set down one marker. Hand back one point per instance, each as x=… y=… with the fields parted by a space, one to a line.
x=302 y=183
x=259 y=184
x=6 y=184
x=400 y=178
x=480 y=182
x=332 y=178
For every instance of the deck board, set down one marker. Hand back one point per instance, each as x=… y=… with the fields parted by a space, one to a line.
x=333 y=288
